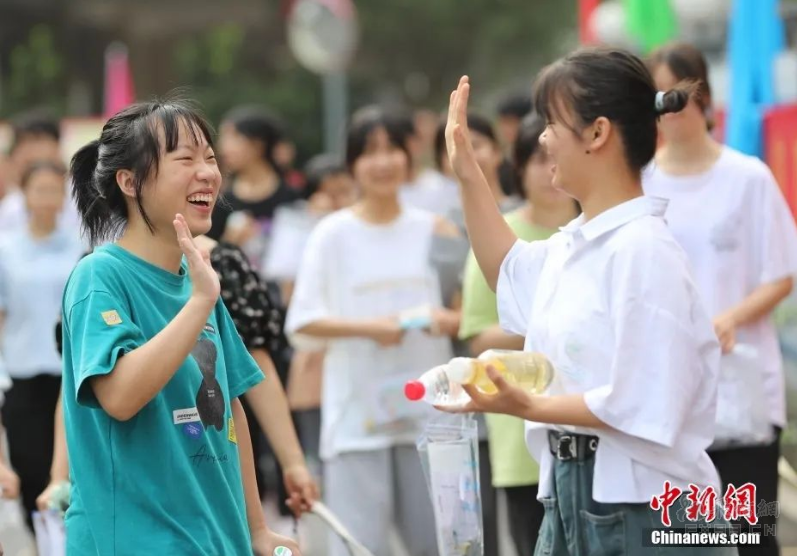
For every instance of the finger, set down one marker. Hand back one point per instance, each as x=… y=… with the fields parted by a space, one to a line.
x=463 y=92
x=454 y=409
x=497 y=378
x=452 y=110
x=479 y=399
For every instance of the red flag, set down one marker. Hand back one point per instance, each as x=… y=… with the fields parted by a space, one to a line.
x=119 y=91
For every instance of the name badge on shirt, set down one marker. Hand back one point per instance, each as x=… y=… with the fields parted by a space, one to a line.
x=111 y=317
x=231 y=428
x=189 y=415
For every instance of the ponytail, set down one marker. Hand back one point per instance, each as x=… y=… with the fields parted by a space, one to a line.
x=90 y=200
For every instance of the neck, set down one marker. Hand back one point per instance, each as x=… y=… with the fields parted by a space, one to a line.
x=260 y=176
x=40 y=229
x=624 y=188
x=163 y=252
x=378 y=210
x=689 y=154
x=552 y=217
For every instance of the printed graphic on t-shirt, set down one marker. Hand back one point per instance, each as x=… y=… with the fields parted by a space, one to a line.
x=111 y=318
x=209 y=398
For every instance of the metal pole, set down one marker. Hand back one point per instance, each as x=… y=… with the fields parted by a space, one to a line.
x=335 y=110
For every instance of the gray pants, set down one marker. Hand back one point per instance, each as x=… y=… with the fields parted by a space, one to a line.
x=370 y=491
x=576 y=525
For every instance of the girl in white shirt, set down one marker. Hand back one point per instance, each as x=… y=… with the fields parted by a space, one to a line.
x=610 y=301
x=35 y=262
x=728 y=213
x=364 y=267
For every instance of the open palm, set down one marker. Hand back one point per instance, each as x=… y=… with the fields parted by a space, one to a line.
x=458 y=145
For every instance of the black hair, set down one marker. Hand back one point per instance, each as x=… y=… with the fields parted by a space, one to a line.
x=515 y=106
x=258 y=124
x=440 y=149
x=319 y=168
x=611 y=83
x=526 y=146
x=41 y=166
x=686 y=62
x=129 y=141
x=34 y=124
x=364 y=122
x=481 y=125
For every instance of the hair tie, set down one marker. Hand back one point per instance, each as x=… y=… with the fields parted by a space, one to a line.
x=660 y=101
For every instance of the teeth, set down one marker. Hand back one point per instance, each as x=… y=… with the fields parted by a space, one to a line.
x=206 y=197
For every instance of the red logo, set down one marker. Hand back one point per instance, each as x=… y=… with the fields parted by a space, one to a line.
x=739 y=503
x=663 y=502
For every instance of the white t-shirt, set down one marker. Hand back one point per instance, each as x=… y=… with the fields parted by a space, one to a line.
x=612 y=304
x=355 y=270
x=434 y=192
x=738 y=233
x=33 y=273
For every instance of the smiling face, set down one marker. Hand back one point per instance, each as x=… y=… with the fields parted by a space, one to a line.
x=187 y=182
x=382 y=167
x=568 y=160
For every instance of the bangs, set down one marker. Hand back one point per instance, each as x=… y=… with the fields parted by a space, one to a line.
x=554 y=95
x=167 y=118
x=365 y=123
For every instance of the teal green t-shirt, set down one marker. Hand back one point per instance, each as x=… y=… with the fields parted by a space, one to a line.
x=168 y=480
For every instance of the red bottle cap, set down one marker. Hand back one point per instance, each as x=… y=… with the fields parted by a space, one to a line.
x=414 y=390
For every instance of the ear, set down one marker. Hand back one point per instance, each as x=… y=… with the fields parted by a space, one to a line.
x=124 y=179
x=597 y=135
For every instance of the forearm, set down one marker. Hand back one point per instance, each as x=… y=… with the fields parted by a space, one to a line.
x=494 y=338
x=490 y=236
x=270 y=406
x=338 y=328
x=569 y=409
x=254 y=509
x=761 y=302
x=59 y=470
x=142 y=373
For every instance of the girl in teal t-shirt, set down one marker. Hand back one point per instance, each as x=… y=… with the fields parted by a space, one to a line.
x=159 y=451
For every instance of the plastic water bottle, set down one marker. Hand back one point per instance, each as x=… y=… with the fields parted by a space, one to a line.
x=530 y=371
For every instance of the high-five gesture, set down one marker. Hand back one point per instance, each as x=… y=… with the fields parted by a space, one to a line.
x=204 y=279
x=460 y=149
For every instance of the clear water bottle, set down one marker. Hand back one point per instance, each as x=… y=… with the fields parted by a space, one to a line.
x=441 y=385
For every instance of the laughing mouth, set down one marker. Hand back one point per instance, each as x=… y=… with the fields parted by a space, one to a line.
x=201 y=199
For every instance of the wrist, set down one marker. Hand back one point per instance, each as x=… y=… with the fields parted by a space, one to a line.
x=201 y=303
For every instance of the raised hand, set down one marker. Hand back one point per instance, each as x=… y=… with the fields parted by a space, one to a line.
x=204 y=279
x=460 y=149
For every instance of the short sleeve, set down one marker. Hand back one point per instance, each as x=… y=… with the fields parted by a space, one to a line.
x=517 y=282
x=666 y=356
x=242 y=370
x=776 y=242
x=311 y=298
x=479 y=310
x=100 y=332
x=257 y=317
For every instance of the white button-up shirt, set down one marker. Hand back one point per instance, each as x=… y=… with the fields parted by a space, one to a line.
x=612 y=304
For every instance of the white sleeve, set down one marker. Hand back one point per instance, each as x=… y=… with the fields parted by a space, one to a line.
x=310 y=301
x=3 y=285
x=517 y=282
x=665 y=356
x=776 y=233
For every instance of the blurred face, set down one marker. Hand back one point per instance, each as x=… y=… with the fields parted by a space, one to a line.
x=688 y=123
x=32 y=149
x=284 y=154
x=44 y=196
x=237 y=150
x=537 y=183
x=382 y=167
x=488 y=155
x=569 y=164
x=508 y=127
x=187 y=182
x=339 y=190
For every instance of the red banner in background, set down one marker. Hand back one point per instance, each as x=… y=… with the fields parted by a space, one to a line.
x=780 y=150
